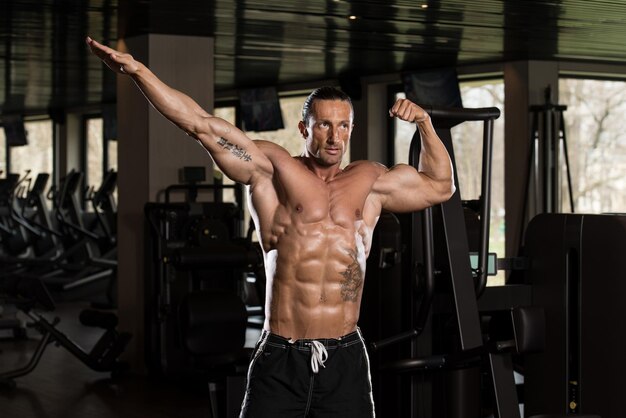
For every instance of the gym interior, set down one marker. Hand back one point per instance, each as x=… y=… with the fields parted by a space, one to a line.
x=132 y=281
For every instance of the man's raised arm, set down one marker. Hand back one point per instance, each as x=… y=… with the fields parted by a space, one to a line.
x=405 y=189
x=232 y=150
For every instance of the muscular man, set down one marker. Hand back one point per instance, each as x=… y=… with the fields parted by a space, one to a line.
x=315 y=223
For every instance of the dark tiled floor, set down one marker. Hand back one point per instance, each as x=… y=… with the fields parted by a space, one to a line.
x=63 y=387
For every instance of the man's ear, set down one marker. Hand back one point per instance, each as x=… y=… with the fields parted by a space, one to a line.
x=303 y=131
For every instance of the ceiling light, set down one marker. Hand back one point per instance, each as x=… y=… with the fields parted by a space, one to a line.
x=424 y=6
x=352 y=17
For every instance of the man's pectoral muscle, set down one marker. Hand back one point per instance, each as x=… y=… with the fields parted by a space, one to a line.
x=316 y=236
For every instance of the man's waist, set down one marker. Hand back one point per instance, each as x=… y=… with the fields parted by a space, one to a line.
x=304 y=344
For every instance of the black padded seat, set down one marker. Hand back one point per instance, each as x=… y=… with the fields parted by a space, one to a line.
x=564 y=416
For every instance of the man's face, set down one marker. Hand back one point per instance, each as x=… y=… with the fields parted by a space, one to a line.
x=327 y=131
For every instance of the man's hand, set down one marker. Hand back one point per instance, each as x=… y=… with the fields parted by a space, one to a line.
x=117 y=61
x=408 y=111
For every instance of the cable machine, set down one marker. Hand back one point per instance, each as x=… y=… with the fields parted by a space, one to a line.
x=444 y=281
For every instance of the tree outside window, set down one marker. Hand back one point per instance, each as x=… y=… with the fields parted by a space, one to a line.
x=596 y=141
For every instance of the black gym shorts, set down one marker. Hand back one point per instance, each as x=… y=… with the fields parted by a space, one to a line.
x=281 y=382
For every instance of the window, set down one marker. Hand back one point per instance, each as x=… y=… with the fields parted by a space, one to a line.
x=94 y=152
x=467 y=142
x=3 y=154
x=596 y=141
x=37 y=155
x=112 y=154
x=227 y=113
x=98 y=152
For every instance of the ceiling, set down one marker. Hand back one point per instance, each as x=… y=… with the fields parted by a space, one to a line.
x=45 y=66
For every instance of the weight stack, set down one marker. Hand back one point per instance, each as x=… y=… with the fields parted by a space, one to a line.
x=578 y=274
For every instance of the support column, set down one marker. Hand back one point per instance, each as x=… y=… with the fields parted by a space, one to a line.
x=369 y=137
x=524 y=85
x=359 y=140
x=150 y=152
x=69 y=143
x=377 y=122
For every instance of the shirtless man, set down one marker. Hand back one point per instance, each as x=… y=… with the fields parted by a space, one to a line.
x=315 y=224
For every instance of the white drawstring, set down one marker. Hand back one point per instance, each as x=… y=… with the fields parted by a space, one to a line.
x=318 y=355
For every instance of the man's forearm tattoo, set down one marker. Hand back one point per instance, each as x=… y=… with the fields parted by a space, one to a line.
x=352 y=279
x=236 y=150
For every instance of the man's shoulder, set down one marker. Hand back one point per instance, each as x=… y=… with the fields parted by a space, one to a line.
x=268 y=145
x=366 y=165
x=271 y=149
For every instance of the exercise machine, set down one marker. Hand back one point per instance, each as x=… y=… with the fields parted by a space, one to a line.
x=451 y=364
x=576 y=271
x=197 y=308
x=30 y=295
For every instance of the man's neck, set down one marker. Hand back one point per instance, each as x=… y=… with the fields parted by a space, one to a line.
x=326 y=173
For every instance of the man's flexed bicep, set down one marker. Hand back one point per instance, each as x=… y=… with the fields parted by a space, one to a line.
x=403 y=189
